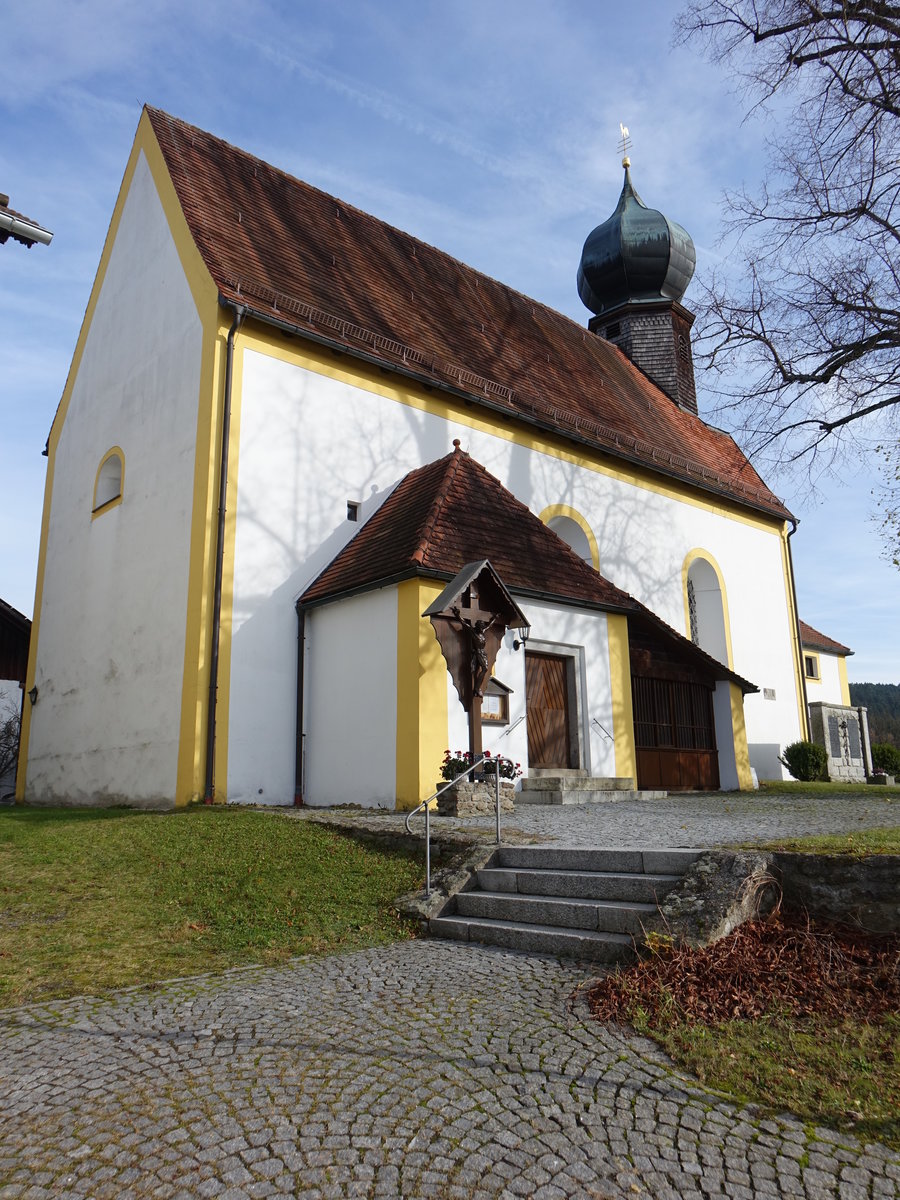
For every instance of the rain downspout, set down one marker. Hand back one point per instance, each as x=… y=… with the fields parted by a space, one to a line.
x=805 y=729
x=301 y=666
x=209 y=791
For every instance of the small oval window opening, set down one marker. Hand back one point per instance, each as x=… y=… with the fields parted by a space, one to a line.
x=109 y=480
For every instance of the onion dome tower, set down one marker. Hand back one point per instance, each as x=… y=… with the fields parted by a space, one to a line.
x=634 y=270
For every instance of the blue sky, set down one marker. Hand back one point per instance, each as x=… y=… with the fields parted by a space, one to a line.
x=488 y=129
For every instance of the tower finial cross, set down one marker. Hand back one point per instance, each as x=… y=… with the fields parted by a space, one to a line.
x=624 y=144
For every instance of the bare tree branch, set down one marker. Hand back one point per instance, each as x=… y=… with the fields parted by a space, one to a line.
x=806 y=349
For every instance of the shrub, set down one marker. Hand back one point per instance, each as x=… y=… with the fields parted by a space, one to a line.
x=806 y=761
x=886 y=758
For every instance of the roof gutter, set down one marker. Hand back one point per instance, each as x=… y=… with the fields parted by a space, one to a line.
x=484 y=402
x=209 y=788
x=25 y=231
x=804 y=729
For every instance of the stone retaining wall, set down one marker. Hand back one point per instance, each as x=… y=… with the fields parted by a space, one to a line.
x=725 y=888
x=858 y=891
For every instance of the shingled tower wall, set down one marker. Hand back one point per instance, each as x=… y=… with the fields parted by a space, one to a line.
x=657 y=340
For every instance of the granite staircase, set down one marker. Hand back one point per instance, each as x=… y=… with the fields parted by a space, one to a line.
x=577 y=787
x=569 y=903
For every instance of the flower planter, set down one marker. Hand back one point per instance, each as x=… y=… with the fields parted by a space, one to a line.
x=467 y=799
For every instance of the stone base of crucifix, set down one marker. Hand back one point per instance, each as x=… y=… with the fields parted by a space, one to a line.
x=466 y=799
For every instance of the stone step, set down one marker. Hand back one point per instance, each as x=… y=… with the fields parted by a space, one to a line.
x=664 y=861
x=587 y=795
x=626 y=886
x=574 y=780
x=557 y=773
x=587 y=944
x=558 y=911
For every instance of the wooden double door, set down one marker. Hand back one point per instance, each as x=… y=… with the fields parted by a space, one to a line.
x=674 y=734
x=550 y=708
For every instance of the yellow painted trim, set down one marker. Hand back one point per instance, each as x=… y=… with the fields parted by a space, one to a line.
x=223 y=707
x=565 y=510
x=352 y=371
x=739 y=733
x=796 y=648
x=622 y=704
x=690 y=557
x=845 y=685
x=421 y=695
x=813 y=654
x=142 y=137
x=113 y=452
x=189 y=778
x=189 y=775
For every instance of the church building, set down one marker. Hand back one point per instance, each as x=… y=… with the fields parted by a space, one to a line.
x=287 y=425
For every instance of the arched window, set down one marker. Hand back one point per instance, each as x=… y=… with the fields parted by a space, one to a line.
x=569 y=525
x=110 y=480
x=706 y=606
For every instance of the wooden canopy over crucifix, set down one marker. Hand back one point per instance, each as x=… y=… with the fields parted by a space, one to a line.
x=470 y=617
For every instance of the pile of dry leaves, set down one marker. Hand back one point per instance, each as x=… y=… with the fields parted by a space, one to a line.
x=765 y=967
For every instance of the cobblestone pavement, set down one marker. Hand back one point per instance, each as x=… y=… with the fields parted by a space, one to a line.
x=426 y=1069
x=691 y=819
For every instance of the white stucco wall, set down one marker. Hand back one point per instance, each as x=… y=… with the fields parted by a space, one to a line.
x=576 y=633
x=110 y=656
x=350 y=713
x=828 y=687
x=309 y=443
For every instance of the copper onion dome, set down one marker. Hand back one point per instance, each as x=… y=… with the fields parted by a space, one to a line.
x=637 y=256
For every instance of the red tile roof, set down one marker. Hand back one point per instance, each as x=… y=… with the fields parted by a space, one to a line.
x=293 y=254
x=452 y=512
x=813 y=640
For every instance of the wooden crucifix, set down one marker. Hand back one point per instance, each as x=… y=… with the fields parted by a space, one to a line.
x=470 y=618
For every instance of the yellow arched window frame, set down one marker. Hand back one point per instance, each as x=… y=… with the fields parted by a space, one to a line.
x=565 y=510
x=691 y=557
x=109 y=482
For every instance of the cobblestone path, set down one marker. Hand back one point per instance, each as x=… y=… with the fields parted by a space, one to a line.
x=689 y=819
x=424 y=1070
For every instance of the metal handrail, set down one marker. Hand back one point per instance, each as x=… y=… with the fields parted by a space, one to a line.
x=426 y=804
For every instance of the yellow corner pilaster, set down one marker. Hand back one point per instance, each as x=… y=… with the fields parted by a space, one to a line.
x=620 y=683
x=796 y=648
x=421 y=695
x=739 y=732
x=845 y=685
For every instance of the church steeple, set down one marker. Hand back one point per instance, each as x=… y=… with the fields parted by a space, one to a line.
x=635 y=267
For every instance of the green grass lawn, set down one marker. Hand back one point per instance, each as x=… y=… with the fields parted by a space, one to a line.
x=859 y=843
x=827 y=789
x=93 y=899
x=842 y=1074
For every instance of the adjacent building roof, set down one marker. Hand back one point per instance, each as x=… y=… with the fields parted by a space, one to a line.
x=15 y=633
x=452 y=512
x=813 y=640
x=20 y=228
x=299 y=257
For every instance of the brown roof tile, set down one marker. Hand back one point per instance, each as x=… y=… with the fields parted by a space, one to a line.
x=452 y=512
x=814 y=640
x=292 y=253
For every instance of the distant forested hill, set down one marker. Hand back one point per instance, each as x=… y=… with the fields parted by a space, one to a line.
x=883 y=702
